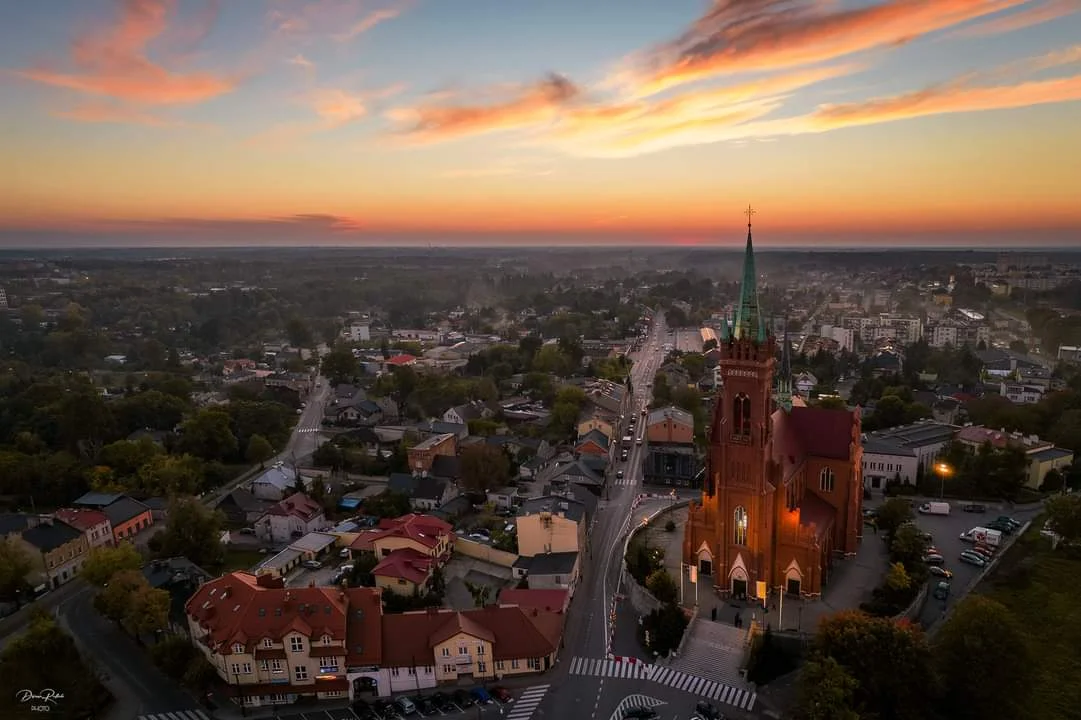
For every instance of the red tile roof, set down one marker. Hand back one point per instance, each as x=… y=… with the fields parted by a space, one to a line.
x=515 y=633
x=423 y=529
x=402 y=359
x=235 y=608
x=298 y=505
x=407 y=564
x=82 y=518
x=825 y=433
x=554 y=601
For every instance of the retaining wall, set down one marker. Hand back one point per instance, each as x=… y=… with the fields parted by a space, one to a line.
x=487 y=553
x=642 y=600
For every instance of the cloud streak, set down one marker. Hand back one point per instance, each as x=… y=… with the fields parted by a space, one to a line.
x=114 y=63
x=1028 y=17
x=368 y=22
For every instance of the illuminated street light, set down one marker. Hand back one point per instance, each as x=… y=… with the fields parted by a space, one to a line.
x=943 y=471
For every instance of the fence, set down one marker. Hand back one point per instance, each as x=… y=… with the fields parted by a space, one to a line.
x=482 y=551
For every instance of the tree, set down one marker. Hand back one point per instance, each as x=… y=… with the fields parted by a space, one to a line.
x=663 y=587
x=104 y=562
x=890 y=661
x=897 y=579
x=209 y=434
x=259 y=449
x=148 y=611
x=115 y=601
x=15 y=565
x=908 y=546
x=484 y=467
x=892 y=514
x=1053 y=482
x=340 y=365
x=298 y=332
x=46 y=657
x=982 y=633
x=826 y=691
x=192 y=531
x=1064 y=516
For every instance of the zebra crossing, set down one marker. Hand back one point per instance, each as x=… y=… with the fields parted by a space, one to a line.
x=176 y=715
x=523 y=707
x=625 y=481
x=684 y=682
x=310 y=430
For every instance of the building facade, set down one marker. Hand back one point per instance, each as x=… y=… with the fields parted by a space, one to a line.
x=92 y=523
x=782 y=492
x=57 y=551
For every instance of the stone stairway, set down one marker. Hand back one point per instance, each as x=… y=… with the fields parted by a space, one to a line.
x=714 y=651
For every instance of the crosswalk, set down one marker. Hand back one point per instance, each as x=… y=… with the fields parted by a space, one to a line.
x=625 y=481
x=309 y=430
x=682 y=681
x=523 y=707
x=176 y=715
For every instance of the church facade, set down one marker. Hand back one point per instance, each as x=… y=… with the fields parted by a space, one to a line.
x=782 y=493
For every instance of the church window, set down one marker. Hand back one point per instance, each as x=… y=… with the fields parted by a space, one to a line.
x=740 y=517
x=741 y=415
x=825 y=480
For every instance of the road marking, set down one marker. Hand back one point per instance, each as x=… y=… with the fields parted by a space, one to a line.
x=524 y=706
x=681 y=681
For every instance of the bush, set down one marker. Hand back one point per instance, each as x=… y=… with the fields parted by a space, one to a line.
x=670 y=526
x=662 y=586
x=642 y=560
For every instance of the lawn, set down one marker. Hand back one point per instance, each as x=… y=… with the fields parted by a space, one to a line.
x=242 y=558
x=1041 y=587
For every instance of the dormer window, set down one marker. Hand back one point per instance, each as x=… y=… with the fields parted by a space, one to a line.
x=238 y=649
x=267 y=643
x=327 y=640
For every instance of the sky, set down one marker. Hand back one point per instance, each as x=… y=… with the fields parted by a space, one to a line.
x=842 y=122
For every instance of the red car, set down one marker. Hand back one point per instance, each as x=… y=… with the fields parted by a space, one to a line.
x=501 y=694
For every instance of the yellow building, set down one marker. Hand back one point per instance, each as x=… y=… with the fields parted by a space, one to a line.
x=57 y=551
x=1041 y=462
x=551 y=524
x=595 y=421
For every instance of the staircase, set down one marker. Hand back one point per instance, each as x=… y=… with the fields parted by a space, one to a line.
x=714 y=651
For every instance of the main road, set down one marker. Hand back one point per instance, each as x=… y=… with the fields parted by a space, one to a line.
x=588 y=632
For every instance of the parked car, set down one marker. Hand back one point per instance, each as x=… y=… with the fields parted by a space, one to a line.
x=463 y=699
x=974 y=508
x=405 y=706
x=707 y=711
x=939 y=571
x=639 y=713
x=312 y=564
x=972 y=558
x=385 y=709
x=934 y=560
x=501 y=694
x=986 y=555
x=425 y=706
x=444 y=703
x=481 y=695
x=942 y=590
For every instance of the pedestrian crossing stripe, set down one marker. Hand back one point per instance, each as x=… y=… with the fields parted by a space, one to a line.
x=309 y=430
x=684 y=682
x=176 y=715
x=527 y=702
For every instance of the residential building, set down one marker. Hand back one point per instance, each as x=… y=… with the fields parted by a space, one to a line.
x=315 y=545
x=549 y=571
x=425 y=492
x=278 y=482
x=886 y=459
x=444 y=646
x=241 y=507
x=551 y=524
x=271 y=644
x=1042 y=455
x=410 y=549
x=92 y=523
x=926 y=438
x=180 y=578
x=782 y=492
x=1021 y=394
x=594 y=443
x=128 y=517
x=405 y=572
x=804 y=383
x=671 y=458
x=57 y=551
x=424 y=453
x=595 y=421
x=293 y=517
x=1041 y=462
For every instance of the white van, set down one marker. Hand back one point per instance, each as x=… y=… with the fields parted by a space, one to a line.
x=405 y=706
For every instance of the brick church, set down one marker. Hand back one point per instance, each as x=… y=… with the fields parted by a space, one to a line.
x=782 y=492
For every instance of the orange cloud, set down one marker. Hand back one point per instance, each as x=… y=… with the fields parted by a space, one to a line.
x=739 y=36
x=334 y=108
x=367 y=23
x=114 y=63
x=522 y=107
x=316 y=18
x=1038 y=15
x=98 y=113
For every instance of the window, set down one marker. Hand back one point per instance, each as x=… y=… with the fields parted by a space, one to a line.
x=480 y=649
x=264 y=666
x=482 y=667
x=446 y=652
x=394 y=672
x=238 y=649
x=300 y=672
x=499 y=665
x=276 y=666
x=235 y=668
x=245 y=668
x=463 y=650
x=513 y=664
x=740 y=525
x=448 y=669
x=412 y=671
x=267 y=642
x=327 y=640
x=333 y=694
x=534 y=664
x=741 y=415
x=825 y=480
x=296 y=643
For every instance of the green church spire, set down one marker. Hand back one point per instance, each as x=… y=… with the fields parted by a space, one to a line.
x=748 y=316
x=724 y=327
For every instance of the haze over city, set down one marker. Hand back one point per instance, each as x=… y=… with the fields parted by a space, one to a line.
x=877 y=124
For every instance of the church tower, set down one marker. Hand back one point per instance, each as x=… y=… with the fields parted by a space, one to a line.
x=737 y=498
x=783 y=384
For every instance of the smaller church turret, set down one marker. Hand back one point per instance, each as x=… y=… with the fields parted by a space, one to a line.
x=783 y=392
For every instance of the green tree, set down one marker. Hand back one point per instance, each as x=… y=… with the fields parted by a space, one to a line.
x=116 y=600
x=897 y=579
x=340 y=365
x=826 y=691
x=148 y=611
x=484 y=467
x=983 y=633
x=15 y=565
x=1064 y=516
x=192 y=531
x=892 y=514
x=662 y=586
x=298 y=332
x=890 y=661
x=208 y=434
x=908 y=546
x=259 y=449
x=103 y=562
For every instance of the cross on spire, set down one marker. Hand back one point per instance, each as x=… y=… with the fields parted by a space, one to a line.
x=749 y=212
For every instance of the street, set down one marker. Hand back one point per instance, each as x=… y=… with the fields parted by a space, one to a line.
x=139 y=687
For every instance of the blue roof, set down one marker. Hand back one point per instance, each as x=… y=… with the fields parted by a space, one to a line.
x=349 y=503
x=98 y=499
x=1051 y=454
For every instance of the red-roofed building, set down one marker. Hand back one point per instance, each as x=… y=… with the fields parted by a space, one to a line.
x=272 y=644
x=782 y=492
x=293 y=517
x=409 y=548
x=94 y=524
x=405 y=572
x=401 y=360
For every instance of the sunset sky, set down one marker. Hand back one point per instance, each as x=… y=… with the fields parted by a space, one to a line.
x=351 y=121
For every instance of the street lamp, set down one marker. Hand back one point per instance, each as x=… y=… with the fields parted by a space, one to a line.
x=943 y=471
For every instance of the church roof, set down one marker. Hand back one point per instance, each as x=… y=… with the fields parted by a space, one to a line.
x=813 y=510
x=824 y=433
x=749 y=323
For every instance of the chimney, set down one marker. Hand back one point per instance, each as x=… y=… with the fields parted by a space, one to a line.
x=311 y=583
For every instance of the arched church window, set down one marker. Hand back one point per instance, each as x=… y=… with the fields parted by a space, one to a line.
x=826 y=480
x=741 y=415
x=740 y=526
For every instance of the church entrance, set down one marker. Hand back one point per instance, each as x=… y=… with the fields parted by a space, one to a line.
x=793 y=586
x=739 y=588
x=705 y=567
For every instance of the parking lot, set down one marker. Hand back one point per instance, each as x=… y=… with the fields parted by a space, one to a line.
x=946 y=531
x=381 y=710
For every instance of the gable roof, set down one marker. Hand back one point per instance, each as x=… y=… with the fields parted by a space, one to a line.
x=406 y=564
x=123 y=510
x=82 y=519
x=297 y=505
x=670 y=413
x=596 y=437
x=49 y=536
x=825 y=433
x=423 y=529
